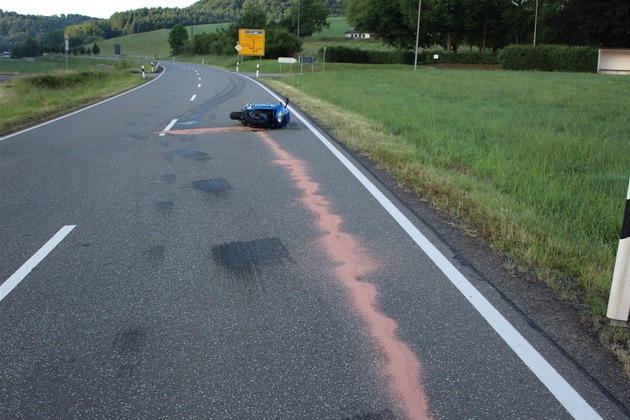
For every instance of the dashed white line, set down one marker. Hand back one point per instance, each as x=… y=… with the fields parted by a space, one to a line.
x=193 y=98
x=168 y=127
x=199 y=85
x=26 y=268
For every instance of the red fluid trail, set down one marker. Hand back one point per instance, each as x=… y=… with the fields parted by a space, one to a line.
x=209 y=130
x=402 y=366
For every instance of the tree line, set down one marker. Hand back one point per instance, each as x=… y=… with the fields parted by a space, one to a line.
x=493 y=24
x=281 y=37
x=486 y=24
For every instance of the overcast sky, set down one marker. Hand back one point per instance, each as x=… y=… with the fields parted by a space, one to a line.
x=93 y=8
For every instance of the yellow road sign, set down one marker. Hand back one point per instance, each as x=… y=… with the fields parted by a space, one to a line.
x=252 y=42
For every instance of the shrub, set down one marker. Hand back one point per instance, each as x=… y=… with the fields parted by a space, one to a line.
x=64 y=81
x=549 y=58
x=461 y=58
x=340 y=54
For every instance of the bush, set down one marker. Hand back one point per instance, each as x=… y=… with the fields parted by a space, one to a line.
x=460 y=58
x=64 y=81
x=549 y=58
x=342 y=54
x=281 y=43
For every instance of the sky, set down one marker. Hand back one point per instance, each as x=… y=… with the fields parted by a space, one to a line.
x=93 y=8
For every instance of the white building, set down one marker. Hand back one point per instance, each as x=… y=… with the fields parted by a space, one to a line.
x=351 y=33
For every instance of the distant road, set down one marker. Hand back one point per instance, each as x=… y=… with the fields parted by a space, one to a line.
x=158 y=260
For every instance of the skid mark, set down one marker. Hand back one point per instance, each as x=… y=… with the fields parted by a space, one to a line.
x=402 y=366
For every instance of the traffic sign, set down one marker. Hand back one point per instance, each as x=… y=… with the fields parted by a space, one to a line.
x=252 y=42
x=308 y=60
x=286 y=60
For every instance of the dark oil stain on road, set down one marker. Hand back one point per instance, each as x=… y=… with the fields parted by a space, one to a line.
x=217 y=186
x=155 y=253
x=130 y=341
x=187 y=153
x=247 y=258
x=169 y=177
x=129 y=345
x=166 y=207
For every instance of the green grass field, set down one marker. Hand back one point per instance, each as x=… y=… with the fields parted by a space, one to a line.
x=50 y=90
x=538 y=163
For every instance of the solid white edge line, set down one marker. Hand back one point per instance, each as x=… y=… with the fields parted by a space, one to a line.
x=82 y=109
x=168 y=127
x=32 y=262
x=572 y=401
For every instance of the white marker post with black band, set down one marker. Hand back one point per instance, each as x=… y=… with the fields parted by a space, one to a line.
x=619 y=301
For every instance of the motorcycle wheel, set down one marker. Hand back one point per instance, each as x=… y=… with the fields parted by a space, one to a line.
x=255 y=118
x=236 y=115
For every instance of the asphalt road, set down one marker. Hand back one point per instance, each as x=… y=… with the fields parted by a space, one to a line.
x=158 y=265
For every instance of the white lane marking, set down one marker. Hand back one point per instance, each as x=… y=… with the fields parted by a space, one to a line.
x=168 y=127
x=199 y=85
x=555 y=383
x=82 y=109
x=193 y=98
x=200 y=79
x=26 y=268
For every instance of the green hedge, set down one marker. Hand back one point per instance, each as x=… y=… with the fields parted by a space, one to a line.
x=459 y=58
x=341 y=54
x=549 y=58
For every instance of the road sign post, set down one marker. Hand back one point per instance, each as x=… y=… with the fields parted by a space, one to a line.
x=308 y=60
x=67 y=49
x=619 y=300
x=252 y=42
x=286 y=60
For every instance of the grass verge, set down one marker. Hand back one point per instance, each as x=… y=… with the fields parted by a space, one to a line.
x=535 y=163
x=42 y=96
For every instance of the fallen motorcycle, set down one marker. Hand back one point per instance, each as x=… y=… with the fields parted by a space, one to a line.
x=263 y=115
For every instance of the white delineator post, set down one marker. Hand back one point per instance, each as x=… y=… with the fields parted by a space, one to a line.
x=619 y=300
x=257 y=69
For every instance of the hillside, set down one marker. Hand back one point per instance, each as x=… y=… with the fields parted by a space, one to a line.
x=275 y=8
x=16 y=28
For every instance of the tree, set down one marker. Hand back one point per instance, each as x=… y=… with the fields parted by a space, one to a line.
x=95 y=49
x=392 y=21
x=29 y=48
x=254 y=17
x=605 y=23
x=282 y=43
x=177 y=39
x=203 y=43
x=312 y=14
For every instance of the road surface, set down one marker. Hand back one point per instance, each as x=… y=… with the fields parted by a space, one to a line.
x=159 y=260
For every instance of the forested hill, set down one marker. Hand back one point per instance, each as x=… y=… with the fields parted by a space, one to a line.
x=201 y=12
x=14 y=25
x=274 y=8
x=48 y=31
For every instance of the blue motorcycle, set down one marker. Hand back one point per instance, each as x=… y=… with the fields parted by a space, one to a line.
x=263 y=115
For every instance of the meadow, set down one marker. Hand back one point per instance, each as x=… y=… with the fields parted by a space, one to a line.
x=50 y=91
x=536 y=163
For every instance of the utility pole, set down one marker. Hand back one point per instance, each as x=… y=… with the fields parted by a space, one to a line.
x=535 y=22
x=298 y=28
x=415 y=63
